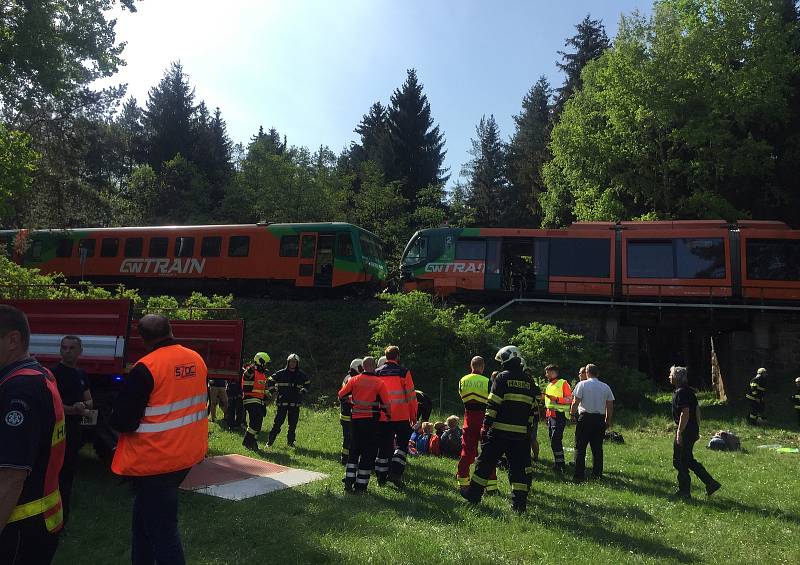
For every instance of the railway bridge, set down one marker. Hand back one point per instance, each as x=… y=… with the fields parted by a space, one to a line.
x=652 y=336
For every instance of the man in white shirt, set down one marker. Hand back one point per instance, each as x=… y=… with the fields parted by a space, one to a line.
x=593 y=403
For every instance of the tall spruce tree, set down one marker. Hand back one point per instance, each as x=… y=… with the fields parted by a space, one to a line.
x=487 y=180
x=131 y=131
x=589 y=43
x=168 y=117
x=528 y=153
x=417 y=145
x=373 y=130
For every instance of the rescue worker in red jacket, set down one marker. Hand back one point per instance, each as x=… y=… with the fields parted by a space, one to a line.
x=368 y=395
x=32 y=445
x=506 y=430
x=161 y=415
x=255 y=396
x=391 y=463
x=290 y=386
x=346 y=409
x=474 y=391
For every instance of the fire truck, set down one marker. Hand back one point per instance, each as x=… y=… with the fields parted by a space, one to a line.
x=111 y=346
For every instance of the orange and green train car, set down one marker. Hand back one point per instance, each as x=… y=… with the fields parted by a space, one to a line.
x=253 y=258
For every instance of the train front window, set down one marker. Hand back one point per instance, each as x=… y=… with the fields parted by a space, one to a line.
x=773 y=259
x=700 y=258
x=417 y=252
x=64 y=248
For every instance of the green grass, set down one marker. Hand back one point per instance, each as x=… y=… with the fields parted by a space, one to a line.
x=626 y=518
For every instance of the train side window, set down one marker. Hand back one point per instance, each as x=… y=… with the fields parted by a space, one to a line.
x=158 y=247
x=184 y=246
x=580 y=257
x=773 y=259
x=134 y=246
x=344 y=246
x=211 y=247
x=89 y=246
x=700 y=258
x=109 y=247
x=239 y=246
x=650 y=259
x=308 y=246
x=36 y=249
x=471 y=249
x=289 y=245
x=64 y=247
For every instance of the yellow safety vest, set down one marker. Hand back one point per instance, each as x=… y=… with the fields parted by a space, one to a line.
x=474 y=388
x=555 y=389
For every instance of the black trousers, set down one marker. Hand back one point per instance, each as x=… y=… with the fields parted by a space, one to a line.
x=517 y=449
x=683 y=460
x=74 y=441
x=156 y=539
x=391 y=460
x=346 y=439
x=27 y=544
x=589 y=431
x=293 y=412
x=255 y=416
x=756 y=410
x=365 y=435
x=555 y=429
x=235 y=413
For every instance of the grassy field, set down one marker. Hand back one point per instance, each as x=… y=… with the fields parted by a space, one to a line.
x=626 y=518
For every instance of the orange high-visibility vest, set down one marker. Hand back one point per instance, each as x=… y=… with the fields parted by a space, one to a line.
x=400 y=387
x=173 y=434
x=368 y=396
x=48 y=503
x=259 y=383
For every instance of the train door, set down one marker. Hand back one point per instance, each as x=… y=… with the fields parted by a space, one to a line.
x=323 y=273
x=308 y=255
x=492 y=277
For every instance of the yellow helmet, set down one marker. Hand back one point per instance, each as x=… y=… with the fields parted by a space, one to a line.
x=261 y=359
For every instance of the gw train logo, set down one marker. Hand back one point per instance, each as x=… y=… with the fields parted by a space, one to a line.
x=162 y=266
x=458 y=267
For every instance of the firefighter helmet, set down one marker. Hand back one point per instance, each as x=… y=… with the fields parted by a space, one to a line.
x=761 y=371
x=355 y=364
x=293 y=357
x=508 y=353
x=261 y=359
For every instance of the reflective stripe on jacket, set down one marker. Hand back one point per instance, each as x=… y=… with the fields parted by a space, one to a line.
x=474 y=391
x=368 y=395
x=402 y=396
x=47 y=503
x=173 y=433
x=254 y=385
x=561 y=390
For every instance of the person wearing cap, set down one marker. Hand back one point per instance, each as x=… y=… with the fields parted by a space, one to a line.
x=290 y=385
x=346 y=409
x=796 y=398
x=758 y=389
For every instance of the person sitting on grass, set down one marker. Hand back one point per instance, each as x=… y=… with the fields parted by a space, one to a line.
x=423 y=440
x=412 y=441
x=450 y=442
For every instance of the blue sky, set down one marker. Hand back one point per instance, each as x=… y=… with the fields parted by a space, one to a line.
x=312 y=68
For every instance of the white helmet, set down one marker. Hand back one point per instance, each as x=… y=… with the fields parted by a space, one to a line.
x=761 y=371
x=382 y=361
x=508 y=353
x=293 y=357
x=355 y=364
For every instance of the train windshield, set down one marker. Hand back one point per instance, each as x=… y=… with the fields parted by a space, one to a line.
x=416 y=252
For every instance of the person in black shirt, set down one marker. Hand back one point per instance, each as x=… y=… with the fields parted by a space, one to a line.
x=686 y=414
x=73 y=385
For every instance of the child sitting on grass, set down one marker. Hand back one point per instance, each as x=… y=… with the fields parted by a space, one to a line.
x=423 y=438
x=450 y=443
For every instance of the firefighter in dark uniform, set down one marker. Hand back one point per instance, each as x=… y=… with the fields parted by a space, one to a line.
x=758 y=388
x=234 y=415
x=290 y=386
x=255 y=394
x=507 y=430
x=346 y=409
x=32 y=445
x=424 y=406
x=368 y=395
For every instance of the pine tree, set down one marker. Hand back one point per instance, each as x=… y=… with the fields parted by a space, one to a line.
x=528 y=153
x=212 y=151
x=374 y=132
x=589 y=43
x=168 y=117
x=131 y=131
x=487 y=181
x=417 y=146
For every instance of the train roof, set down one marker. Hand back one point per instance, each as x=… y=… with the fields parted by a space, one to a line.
x=208 y=227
